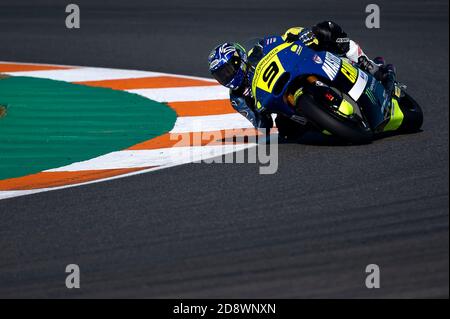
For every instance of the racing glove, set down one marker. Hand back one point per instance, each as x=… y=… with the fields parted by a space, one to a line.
x=298 y=33
x=308 y=38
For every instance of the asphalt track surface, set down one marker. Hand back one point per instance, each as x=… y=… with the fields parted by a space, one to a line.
x=223 y=230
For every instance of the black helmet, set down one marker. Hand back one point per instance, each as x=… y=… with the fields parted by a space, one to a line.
x=332 y=37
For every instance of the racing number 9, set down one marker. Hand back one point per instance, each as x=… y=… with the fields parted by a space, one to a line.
x=267 y=73
x=271 y=73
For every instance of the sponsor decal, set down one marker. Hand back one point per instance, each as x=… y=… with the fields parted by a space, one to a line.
x=299 y=119
x=226 y=48
x=248 y=92
x=317 y=59
x=342 y=40
x=360 y=85
x=320 y=83
x=271 y=40
x=330 y=97
x=297 y=49
x=350 y=72
x=370 y=95
x=385 y=108
x=372 y=83
x=331 y=65
x=214 y=64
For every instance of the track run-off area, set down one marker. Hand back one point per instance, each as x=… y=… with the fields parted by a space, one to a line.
x=202 y=107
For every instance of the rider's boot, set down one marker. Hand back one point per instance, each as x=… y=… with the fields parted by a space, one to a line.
x=388 y=78
x=379 y=61
x=369 y=66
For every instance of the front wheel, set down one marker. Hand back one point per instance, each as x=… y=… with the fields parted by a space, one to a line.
x=351 y=130
x=413 y=115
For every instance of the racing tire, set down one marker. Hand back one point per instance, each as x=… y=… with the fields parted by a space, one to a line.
x=339 y=126
x=413 y=115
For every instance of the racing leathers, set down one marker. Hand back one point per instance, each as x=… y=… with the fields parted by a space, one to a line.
x=325 y=36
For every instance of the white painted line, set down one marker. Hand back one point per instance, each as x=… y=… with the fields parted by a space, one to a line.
x=11 y=194
x=147 y=158
x=185 y=94
x=161 y=158
x=40 y=64
x=122 y=70
x=85 y=74
x=210 y=123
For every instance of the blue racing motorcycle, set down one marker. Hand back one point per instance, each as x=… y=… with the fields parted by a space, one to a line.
x=328 y=91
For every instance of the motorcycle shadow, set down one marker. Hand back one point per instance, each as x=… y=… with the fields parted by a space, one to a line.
x=384 y=135
x=315 y=138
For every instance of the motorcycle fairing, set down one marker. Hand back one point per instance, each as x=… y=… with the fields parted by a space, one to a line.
x=283 y=62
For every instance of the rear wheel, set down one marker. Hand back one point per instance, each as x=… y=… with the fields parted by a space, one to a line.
x=350 y=129
x=413 y=115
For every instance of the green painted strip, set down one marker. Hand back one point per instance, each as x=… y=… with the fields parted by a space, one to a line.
x=50 y=124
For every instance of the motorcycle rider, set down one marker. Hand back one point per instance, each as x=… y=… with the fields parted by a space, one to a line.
x=229 y=64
